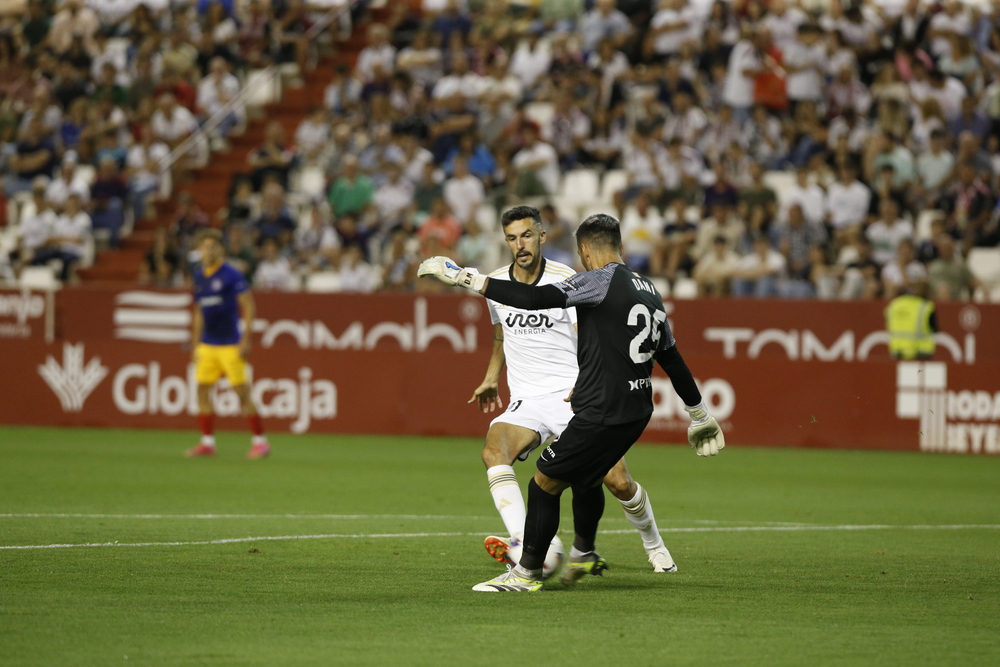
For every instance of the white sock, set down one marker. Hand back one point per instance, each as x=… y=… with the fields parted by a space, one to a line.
x=208 y=440
x=528 y=574
x=576 y=553
x=507 y=498
x=640 y=514
x=258 y=440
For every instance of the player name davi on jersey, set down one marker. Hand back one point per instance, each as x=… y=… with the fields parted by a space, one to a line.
x=544 y=359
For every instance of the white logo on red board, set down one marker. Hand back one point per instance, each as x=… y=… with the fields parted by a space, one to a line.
x=964 y=422
x=153 y=317
x=72 y=381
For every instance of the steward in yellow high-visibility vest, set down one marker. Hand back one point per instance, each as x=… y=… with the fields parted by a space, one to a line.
x=911 y=322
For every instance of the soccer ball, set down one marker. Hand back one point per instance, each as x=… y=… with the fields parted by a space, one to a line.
x=553 y=558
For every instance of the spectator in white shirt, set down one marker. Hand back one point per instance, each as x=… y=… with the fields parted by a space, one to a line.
x=142 y=167
x=318 y=244
x=642 y=230
x=356 y=275
x=459 y=81
x=900 y=274
x=745 y=63
x=312 y=134
x=604 y=21
x=173 y=124
x=641 y=159
x=758 y=273
x=531 y=60
x=804 y=60
x=378 y=50
x=536 y=167
x=70 y=233
x=948 y=91
x=217 y=90
x=687 y=123
x=670 y=27
x=69 y=179
x=463 y=192
x=274 y=272
x=421 y=60
x=952 y=21
x=934 y=166
x=716 y=268
x=888 y=231
x=37 y=221
x=808 y=196
x=393 y=197
x=847 y=200
x=783 y=22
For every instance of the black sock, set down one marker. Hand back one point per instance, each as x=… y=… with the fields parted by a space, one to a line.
x=588 y=507
x=540 y=526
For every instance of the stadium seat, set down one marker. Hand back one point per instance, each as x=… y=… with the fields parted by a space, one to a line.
x=613 y=181
x=595 y=208
x=265 y=87
x=685 y=288
x=38 y=277
x=924 y=221
x=312 y=181
x=662 y=286
x=985 y=266
x=13 y=213
x=781 y=182
x=487 y=217
x=325 y=281
x=580 y=186
x=87 y=173
x=567 y=208
x=541 y=113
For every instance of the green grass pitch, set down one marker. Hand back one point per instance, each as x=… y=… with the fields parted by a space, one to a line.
x=771 y=572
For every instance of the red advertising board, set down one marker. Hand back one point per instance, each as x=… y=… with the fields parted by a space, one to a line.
x=773 y=372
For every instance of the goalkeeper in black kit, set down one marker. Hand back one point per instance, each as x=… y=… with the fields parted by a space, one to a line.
x=623 y=329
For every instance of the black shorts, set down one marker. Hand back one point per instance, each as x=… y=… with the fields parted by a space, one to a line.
x=586 y=451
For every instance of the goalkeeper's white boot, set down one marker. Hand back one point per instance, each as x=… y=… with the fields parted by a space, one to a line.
x=511 y=581
x=661 y=560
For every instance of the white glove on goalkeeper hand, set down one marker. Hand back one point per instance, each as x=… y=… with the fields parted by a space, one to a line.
x=704 y=433
x=445 y=270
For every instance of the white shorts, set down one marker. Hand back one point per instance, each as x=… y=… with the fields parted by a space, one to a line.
x=547 y=415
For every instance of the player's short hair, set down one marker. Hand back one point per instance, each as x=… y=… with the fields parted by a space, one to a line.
x=213 y=234
x=521 y=213
x=600 y=229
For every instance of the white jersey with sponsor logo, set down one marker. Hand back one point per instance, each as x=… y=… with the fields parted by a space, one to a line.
x=540 y=345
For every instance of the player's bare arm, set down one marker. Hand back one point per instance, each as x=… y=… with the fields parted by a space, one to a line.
x=248 y=310
x=487 y=393
x=197 y=323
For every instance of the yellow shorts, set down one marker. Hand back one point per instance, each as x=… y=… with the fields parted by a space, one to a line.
x=214 y=361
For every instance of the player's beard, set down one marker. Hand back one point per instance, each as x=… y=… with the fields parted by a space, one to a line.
x=527 y=260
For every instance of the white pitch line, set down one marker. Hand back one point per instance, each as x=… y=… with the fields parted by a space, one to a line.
x=64 y=515
x=716 y=529
x=333 y=517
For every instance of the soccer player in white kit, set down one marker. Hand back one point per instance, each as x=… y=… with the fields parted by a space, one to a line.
x=539 y=349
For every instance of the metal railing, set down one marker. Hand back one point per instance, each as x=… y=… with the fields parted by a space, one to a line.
x=248 y=91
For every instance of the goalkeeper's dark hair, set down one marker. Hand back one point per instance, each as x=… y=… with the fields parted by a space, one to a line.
x=600 y=229
x=521 y=213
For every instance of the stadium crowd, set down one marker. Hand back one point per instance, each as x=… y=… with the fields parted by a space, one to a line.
x=96 y=96
x=750 y=148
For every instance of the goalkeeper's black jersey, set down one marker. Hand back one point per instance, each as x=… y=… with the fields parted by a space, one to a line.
x=622 y=326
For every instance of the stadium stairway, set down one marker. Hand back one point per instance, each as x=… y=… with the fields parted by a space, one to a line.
x=210 y=185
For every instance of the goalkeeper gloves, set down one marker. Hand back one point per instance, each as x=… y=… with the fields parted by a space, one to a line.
x=704 y=433
x=445 y=270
